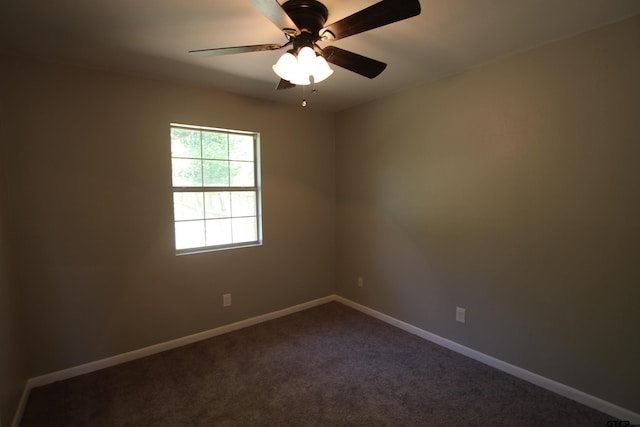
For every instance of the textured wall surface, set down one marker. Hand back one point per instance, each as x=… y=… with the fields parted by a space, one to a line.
x=512 y=191
x=91 y=201
x=12 y=375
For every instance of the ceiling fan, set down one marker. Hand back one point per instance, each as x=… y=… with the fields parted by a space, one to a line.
x=303 y=24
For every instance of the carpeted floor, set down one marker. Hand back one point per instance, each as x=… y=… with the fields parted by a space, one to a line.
x=326 y=366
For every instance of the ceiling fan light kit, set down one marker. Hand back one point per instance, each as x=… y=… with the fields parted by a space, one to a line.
x=303 y=24
x=302 y=69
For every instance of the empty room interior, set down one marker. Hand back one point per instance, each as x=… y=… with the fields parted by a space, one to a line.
x=481 y=191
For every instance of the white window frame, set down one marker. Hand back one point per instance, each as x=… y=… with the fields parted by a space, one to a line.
x=255 y=188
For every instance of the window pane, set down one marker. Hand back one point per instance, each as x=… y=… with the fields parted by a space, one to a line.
x=242 y=174
x=215 y=145
x=186 y=173
x=185 y=143
x=217 y=204
x=216 y=173
x=244 y=230
x=190 y=234
x=241 y=147
x=243 y=203
x=218 y=232
x=188 y=206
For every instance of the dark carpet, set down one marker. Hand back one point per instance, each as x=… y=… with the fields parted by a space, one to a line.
x=326 y=366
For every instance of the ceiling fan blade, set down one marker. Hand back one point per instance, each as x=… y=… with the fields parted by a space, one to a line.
x=377 y=15
x=284 y=84
x=353 y=62
x=276 y=14
x=236 y=49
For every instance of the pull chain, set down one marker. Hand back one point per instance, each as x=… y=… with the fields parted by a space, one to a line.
x=304 y=90
x=304 y=99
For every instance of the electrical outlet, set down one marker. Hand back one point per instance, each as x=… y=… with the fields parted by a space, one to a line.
x=461 y=315
x=360 y=282
x=226 y=300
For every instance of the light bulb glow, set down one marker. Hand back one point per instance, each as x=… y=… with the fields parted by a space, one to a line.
x=306 y=60
x=321 y=70
x=300 y=79
x=304 y=68
x=286 y=66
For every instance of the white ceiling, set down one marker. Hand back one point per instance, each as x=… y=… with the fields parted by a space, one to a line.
x=152 y=37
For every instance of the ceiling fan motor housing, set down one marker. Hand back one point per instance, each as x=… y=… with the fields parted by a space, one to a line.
x=309 y=15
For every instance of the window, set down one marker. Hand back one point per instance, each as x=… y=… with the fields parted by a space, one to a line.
x=216 y=188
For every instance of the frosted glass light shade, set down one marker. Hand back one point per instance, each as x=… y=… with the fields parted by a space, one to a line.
x=286 y=66
x=300 y=79
x=321 y=70
x=306 y=60
x=301 y=69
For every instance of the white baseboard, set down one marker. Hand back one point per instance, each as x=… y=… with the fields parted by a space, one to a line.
x=153 y=349
x=546 y=383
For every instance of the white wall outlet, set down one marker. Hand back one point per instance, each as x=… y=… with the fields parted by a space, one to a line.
x=360 y=282
x=226 y=300
x=461 y=314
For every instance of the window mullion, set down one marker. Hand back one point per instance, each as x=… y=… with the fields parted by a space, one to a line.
x=204 y=217
x=201 y=162
x=229 y=182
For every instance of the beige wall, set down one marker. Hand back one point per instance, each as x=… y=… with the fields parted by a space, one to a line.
x=511 y=190
x=91 y=203
x=12 y=374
